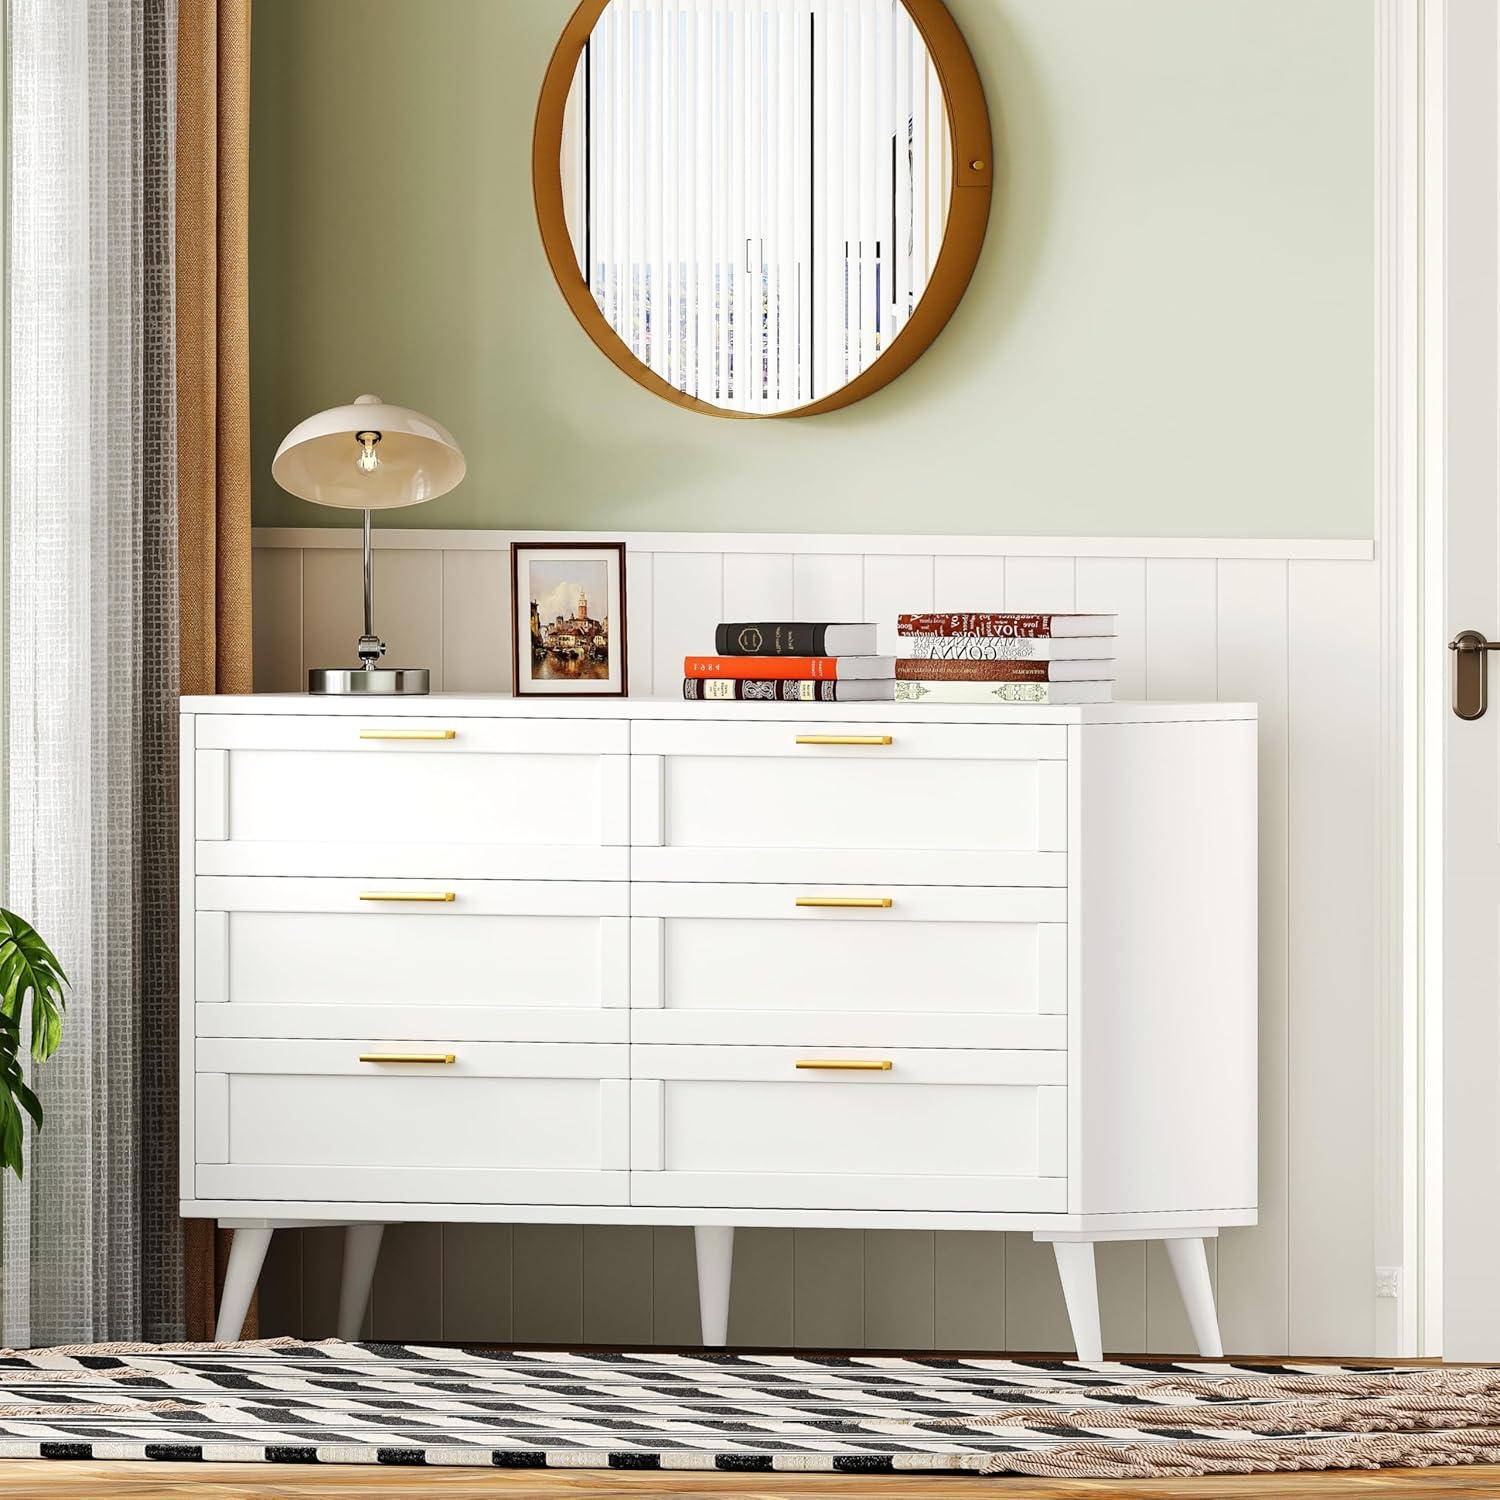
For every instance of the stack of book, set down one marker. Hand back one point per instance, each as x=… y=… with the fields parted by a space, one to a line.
x=792 y=661
x=1006 y=658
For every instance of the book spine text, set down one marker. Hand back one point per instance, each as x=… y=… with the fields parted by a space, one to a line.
x=816 y=667
x=973 y=671
x=987 y=625
x=980 y=647
x=973 y=692
x=772 y=638
x=758 y=690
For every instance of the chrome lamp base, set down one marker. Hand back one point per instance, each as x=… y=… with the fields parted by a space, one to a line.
x=368 y=679
x=372 y=681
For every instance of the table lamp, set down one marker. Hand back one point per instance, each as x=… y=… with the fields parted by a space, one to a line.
x=368 y=456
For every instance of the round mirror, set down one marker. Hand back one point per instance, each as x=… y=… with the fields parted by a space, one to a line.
x=762 y=207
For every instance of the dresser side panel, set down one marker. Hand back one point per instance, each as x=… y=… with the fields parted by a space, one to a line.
x=1165 y=1034
x=186 y=955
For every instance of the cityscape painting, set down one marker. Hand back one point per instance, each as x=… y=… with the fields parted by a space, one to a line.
x=569 y=617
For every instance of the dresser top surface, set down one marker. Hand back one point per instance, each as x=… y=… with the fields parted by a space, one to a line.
x=507 y=706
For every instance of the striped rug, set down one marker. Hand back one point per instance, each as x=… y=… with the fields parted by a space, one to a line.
x=284 y=1401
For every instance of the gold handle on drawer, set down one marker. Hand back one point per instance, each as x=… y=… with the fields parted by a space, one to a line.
x=408 y=734
x=843 y=739
x=862 y=903
x=847 y=1064
x=407 y=1057
x=408 y=896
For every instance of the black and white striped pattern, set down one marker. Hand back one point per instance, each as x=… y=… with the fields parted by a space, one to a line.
x=288 y=1402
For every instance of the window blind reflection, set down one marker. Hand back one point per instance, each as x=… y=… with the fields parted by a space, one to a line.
x=756 y=189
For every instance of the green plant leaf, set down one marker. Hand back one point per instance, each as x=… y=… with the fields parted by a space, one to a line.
x=28 y=970
x=29 y=1102
x=10 y=1135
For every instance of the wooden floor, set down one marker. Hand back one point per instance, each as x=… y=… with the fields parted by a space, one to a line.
x=56 y=1480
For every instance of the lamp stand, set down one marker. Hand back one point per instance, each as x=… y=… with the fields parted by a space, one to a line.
x=369 y=677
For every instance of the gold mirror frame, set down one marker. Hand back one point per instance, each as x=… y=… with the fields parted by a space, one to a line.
x=963 y=236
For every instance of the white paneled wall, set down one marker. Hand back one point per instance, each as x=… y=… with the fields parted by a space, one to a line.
x=1294 y=627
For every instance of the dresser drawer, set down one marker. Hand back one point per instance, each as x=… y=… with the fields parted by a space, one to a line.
x=746 y=1127
x=760 y=964
x=921 y=803
x=500 y=961
x=343 y=796
x=278 y=1120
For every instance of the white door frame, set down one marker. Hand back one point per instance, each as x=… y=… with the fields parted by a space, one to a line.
x=1423 y=539
x=1399 y=1251
x=1401 y=1258
x=1410 y=546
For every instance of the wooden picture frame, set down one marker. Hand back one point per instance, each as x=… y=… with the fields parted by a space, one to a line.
x=963 y=236
x=555 y=629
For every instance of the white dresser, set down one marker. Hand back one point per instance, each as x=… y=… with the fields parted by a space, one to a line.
x=640 y=961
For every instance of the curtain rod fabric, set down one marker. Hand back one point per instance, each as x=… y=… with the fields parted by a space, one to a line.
x=91 y=1236
x=213 y=343
x=213 y=413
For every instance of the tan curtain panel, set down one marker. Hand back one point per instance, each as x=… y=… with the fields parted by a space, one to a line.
x=213 y=342
x=213 y=406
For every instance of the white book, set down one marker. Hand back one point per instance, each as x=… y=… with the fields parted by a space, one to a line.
x=1005 y=692
x=1007 y=647
x=1081 y=671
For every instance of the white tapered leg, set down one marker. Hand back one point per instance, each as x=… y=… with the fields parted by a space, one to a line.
x=715 y=1246
x=1190 y=1266
x=361 y=1250
x=247 y=1254
x=1075 y=1268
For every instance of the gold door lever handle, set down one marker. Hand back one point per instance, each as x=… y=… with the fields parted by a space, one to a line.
x=408 y=734
x=843 y=739
x=424 y=896
x=846 y=1064
x=407 y=1057
x=860 y=903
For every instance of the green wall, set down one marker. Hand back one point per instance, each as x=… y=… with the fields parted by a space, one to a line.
x=1171 y=331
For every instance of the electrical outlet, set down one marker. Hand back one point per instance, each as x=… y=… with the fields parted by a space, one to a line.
x=1387 y=1281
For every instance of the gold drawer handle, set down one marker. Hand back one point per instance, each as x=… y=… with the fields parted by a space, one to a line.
x=408 y=734
x=408 y=896
x=847 y=1064
x=407 y=1057
x=862 y=903
x=843 y=739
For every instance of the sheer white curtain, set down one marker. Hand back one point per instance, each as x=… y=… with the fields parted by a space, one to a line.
x=90 y=1239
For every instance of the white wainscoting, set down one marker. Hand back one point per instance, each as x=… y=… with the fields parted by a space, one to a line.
x=1294 y=626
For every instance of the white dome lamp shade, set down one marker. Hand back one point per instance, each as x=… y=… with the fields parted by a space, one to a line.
x=368 y=456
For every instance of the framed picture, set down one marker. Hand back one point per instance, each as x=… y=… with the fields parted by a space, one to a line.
x=568 y=603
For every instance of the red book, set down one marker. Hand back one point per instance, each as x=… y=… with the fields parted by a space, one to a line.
x=817 y=668
x=1003 y=624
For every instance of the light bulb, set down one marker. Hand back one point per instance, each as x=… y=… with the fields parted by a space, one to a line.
x=368 y=459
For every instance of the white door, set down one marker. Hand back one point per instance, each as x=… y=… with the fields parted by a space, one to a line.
x=1471 y=998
